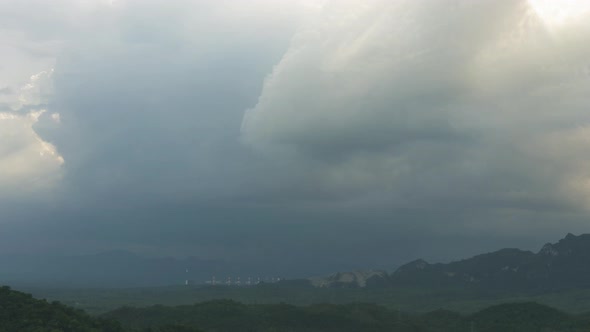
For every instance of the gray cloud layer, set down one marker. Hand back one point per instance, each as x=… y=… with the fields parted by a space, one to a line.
x=366 y=124
x=432 y=104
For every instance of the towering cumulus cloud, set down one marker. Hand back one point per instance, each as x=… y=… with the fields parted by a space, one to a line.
x=369 y=121
x=461 y=103
x=27 y=163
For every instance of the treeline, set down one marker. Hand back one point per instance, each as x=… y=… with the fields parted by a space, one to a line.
x=226 y=316
x=20 y=312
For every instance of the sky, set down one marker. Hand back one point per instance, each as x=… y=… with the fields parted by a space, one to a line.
x=308 y=135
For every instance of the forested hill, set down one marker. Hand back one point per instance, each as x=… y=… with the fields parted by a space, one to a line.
x=564 y=265
x=557 y=266
x=20 y=312
x=226 y=316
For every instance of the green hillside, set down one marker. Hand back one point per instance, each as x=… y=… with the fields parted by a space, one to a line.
x=23 y=313
x=20 y=312
x=226 y=316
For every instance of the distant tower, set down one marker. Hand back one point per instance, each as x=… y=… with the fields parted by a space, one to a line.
x=249 y=281
x=186 y=280
x=238 y=281
x=228 y=282
x=213 y=281
x=258 y=281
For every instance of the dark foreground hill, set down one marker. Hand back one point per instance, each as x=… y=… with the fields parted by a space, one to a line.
x=226 y=316
x=20 y=312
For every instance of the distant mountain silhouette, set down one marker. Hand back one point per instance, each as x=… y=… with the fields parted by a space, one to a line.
x=107 y=269
x=559 y=266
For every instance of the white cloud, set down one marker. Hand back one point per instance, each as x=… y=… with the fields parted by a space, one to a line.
x=178 y=35
x=557 y=14
x=27 y=163
x=426 y=101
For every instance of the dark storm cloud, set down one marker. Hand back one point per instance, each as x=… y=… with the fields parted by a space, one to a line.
x=367 y=125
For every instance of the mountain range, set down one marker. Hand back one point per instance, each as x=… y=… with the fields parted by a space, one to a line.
x=556 y=266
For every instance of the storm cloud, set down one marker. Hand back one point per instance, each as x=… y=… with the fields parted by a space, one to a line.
x=325 y=132
x=464 y=105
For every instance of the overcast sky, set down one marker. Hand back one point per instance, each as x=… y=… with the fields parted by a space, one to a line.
x=314 y=135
